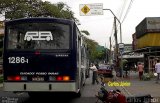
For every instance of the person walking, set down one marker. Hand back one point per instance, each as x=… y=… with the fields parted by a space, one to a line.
x=95 y=75
x=157 y=69
x=140 y=68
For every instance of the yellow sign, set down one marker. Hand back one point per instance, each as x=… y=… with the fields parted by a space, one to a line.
x=85 y=9
x=91 y=9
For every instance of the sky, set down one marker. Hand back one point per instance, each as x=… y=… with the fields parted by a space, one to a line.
x=100 y=27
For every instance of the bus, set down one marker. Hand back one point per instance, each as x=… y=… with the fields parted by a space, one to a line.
x=33 y=65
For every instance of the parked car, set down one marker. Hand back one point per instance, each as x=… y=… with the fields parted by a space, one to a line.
x=105 y=70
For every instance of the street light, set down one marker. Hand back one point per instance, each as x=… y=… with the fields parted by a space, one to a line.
x=120 y=38
x=119 y=24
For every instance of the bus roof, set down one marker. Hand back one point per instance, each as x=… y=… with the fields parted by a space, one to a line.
x=36 y=19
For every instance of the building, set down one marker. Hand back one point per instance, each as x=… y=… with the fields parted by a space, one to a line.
x=132 y=57
x=148 y=43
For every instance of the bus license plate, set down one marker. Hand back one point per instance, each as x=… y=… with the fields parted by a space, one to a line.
x=38 y=79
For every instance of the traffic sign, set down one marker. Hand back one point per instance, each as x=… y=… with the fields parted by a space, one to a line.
x=85 y=9
x=91 y=9
x=121 y=45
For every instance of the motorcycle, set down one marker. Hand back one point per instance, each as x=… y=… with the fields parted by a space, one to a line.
x=115 y=96
x=102 y=93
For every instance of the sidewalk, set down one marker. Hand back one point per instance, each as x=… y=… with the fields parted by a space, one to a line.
x=1 y=84
x=138 y=87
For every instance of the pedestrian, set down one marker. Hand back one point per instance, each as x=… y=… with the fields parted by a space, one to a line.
x=157 y=70
x=97 y=66
x=95 y=74
x=140 y=68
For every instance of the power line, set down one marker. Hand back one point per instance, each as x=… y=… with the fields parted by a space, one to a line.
x=129 y=7
x=120 y=16
x=122 y=9
x=127 y=11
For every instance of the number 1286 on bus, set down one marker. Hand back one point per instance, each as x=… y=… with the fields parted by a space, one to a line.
x=17 y=60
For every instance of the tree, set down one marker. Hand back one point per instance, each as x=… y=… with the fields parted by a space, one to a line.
x=85 y=31
x=96 y=52
x=13 y=9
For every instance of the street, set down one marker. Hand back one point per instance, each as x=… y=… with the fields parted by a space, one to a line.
x=88 y=96
x=89 y=91
x=52 y=51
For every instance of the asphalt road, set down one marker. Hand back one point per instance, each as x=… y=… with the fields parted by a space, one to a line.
x=88 y=96
x=88 y=93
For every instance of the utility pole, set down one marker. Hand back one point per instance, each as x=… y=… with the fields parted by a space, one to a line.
x=115 y=35
x=110 y=57
x=116 y=44
x=116 y=41
x=106 y=58
x=119 y=23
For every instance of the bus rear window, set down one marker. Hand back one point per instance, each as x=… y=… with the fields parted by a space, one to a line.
x=38 y=36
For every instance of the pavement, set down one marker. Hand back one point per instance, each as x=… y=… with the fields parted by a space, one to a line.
x=136 y=87
x=1 y=84
x=140 y=87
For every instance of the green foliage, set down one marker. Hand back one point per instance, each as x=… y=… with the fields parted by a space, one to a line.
x=85 y=31
x=1 y=79
x=91 y=48
x=94 y=53
x=125 y=65
x=151 y=74
x=146 y=76
x=13 y=9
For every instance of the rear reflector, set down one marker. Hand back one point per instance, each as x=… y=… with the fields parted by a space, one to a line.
x=52 y=78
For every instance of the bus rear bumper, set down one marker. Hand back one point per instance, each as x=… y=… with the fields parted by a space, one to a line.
x=57 y=87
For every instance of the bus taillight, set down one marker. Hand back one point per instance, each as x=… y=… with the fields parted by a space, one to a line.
x=10 y=78
x=59 y=78
x=63 y=78
x=66 y=78
x=16 y=78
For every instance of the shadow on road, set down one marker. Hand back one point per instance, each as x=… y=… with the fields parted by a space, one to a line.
x=50 y=98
